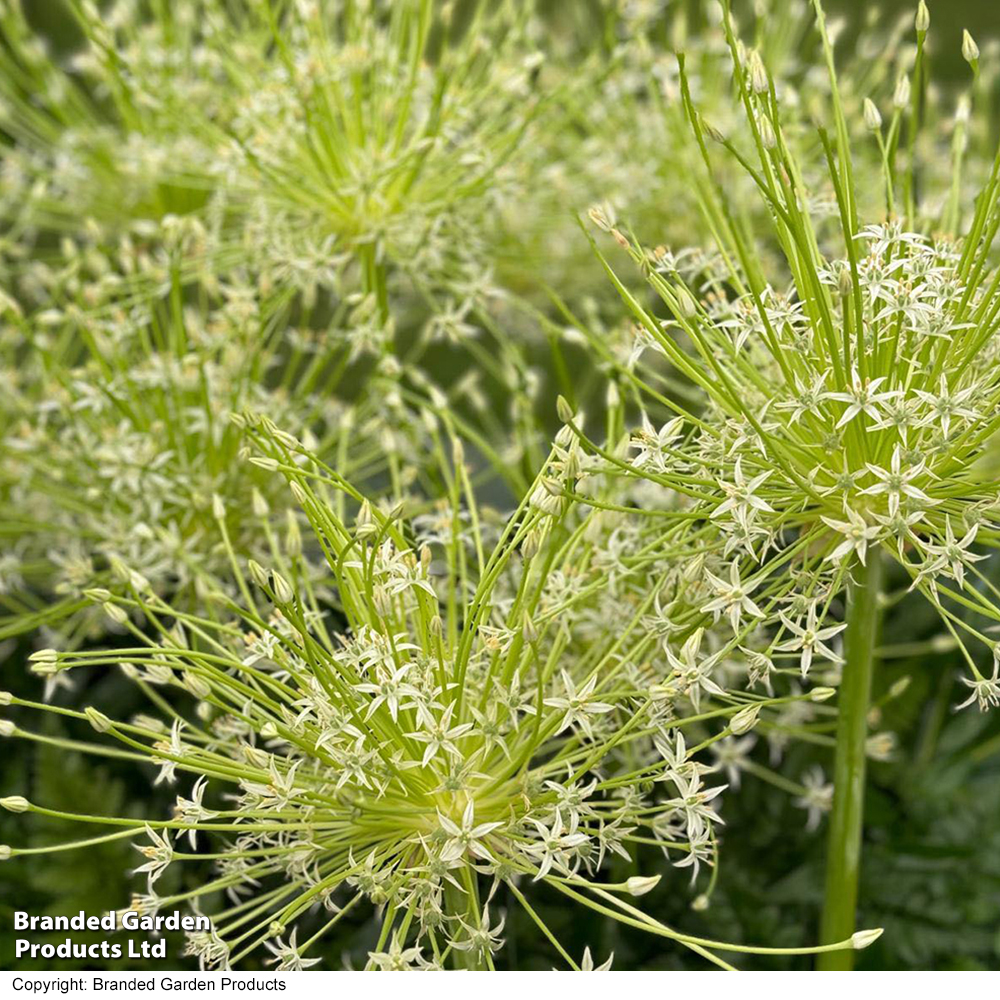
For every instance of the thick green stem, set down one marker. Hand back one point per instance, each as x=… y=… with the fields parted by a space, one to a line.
x=844 y=852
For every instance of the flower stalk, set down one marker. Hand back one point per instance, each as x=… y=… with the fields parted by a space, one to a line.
x=844 y=852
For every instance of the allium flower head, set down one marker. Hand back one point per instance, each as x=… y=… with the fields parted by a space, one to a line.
x=384 y=746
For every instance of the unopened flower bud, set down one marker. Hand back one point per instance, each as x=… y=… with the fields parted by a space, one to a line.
x=97 y=719
x=873 y=120
x=686 y=303
x=364 y=525
x=149 y=722
x=822 y=694
x=861 y=939
x=15 y=803
x=923 y=19
x=258 y=572
x=901 y=95
x=700 y=903
x=899 y=687
x=744 y=720
x=531 y=544
x=970 y=51
x=528 y=629
x=767 y=136
x=712 y=132
x=553 y=488
x=218 y=508
x=115 y=613
x=943 y=643
x=6 y=698
x=283 y=592
x=6 y=851
x=256 y=756
x=639 y=885
x=299 y=493
x=196 y=685
x=119 y=568
x=383 y=601
x=564 y=410
x=258 y=504
x=44 y=656
x=757 y=73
